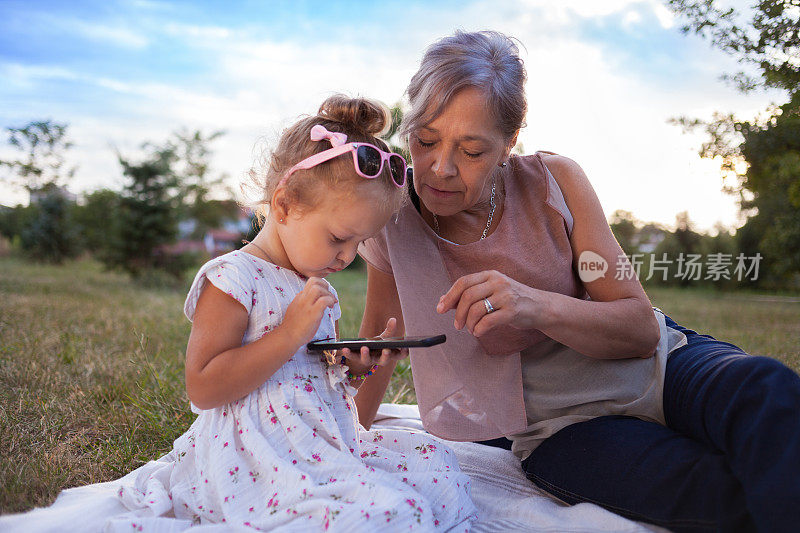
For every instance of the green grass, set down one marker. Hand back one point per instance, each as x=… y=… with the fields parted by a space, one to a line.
x=759 y=324
x=91 y=375
x=91 y=367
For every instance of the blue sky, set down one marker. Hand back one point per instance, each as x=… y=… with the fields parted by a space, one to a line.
x=604 y=77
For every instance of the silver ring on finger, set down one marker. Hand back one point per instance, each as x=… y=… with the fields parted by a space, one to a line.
x=489 y=308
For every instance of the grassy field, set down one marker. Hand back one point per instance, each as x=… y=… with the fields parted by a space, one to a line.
x=91 y=367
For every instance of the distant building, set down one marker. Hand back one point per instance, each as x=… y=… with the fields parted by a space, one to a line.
x=220 y=241
x=649 y=244
x=186 y=227
x=648 y=237
x=216 y=241
x=183 y=247
x=241 y=224
x=38 y=195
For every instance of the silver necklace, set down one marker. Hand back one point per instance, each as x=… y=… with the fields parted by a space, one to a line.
x=488 y=222
x=260 y=248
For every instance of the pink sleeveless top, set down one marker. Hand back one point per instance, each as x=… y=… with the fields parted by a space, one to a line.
x=459 y=383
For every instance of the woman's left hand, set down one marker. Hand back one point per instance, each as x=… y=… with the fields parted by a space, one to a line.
x=514 y=304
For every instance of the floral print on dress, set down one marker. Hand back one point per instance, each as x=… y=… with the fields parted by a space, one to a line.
x=292 y=454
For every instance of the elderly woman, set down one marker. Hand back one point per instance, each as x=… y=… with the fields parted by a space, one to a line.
x=603 y=398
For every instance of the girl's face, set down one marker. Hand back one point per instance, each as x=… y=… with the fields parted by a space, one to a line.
x=455 y=154
x=323 y=240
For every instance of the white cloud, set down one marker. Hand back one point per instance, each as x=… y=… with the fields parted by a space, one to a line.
x=59 y=28
x=566 y=10
x=584 y=103
x=631 y=18
x=664 y=15
x=194 y=31
x=20 y=76
x=115 y=35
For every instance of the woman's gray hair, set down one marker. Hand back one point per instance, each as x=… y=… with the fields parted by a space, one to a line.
x=487 y=60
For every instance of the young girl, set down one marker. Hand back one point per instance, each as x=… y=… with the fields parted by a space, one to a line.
x=276 y=443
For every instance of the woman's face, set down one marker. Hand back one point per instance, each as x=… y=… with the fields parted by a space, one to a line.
x=455 y=154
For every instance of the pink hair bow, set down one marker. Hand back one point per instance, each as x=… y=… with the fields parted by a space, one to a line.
x=320 y=132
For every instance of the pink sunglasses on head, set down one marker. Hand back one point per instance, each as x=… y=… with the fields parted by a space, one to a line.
x=368 y=159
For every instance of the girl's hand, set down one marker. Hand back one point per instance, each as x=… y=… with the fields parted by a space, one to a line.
x=366 y=357
x=514 y=304
x=304 y=314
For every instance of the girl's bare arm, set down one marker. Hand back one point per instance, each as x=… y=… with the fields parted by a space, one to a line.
x=219 y=369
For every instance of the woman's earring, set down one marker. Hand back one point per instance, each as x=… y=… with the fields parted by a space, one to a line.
x=503 y=164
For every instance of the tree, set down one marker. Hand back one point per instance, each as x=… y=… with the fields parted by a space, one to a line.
x=763 y=154
x=14 y=219
x=148 y=213
x=51 y=236
x=688 y=239
x=623 y=225
x=770 y=40
x=44 y=144
x=392 y=137
x=193 y=153
x=95 y=218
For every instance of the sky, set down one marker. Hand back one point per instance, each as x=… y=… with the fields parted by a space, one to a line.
x=604 y=78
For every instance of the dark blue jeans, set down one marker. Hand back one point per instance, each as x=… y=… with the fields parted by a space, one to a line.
x=727 y=460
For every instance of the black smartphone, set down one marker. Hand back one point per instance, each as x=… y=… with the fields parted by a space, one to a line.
x=391 y=343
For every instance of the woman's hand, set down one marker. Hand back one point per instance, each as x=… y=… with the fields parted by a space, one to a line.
x=514 y=304
x=366 y=358
x=304 y=314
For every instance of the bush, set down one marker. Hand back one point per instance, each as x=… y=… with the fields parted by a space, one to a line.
x=51 y=236
x=177 y=265
x=14 y=219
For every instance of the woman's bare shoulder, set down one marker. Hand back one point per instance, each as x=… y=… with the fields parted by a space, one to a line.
x=560 y=164
x=569 y=175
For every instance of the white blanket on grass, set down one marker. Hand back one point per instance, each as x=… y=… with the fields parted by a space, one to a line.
x=506 y=500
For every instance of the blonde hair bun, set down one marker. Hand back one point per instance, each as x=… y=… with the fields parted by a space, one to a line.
x=365 y=116
x=362 y=120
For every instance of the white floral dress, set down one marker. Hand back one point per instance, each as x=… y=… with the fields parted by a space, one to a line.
x=291 y=456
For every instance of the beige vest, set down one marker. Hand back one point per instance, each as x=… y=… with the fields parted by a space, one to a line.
x=510 y=382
